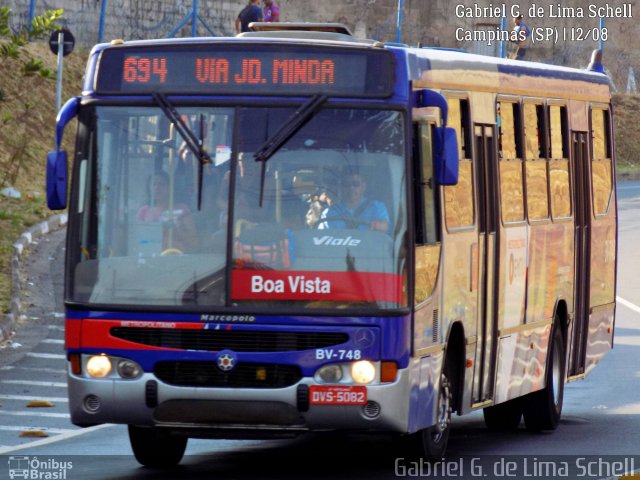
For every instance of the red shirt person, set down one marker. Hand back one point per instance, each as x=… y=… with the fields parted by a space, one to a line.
x=270 y=11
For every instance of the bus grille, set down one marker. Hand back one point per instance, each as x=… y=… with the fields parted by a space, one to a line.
x=236 y=340
x=244 y=375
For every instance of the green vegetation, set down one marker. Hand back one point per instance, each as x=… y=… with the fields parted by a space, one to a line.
x=18 y=110
x=27 y=126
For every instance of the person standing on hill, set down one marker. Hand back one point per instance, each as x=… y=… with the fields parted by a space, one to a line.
x=521 y=40
x=251 y=13
x=271 y=11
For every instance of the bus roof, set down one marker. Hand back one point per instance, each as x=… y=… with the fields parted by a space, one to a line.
x=456 y=70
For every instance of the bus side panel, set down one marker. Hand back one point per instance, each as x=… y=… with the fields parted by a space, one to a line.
x=603 y=254
x=541 y=270
x=511 y=305
x=513 y=277
x=549 y=278
x=550 y=270
x=521 y=362
x=600 y=339
x=460 y=291
x=460 y=281
x=602 y=289
x=423 y=411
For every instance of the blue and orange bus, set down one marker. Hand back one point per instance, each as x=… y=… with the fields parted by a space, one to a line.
x=298 y=230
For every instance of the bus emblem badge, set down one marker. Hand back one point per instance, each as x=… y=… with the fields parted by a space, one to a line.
x=364 y=338
x=226 y=360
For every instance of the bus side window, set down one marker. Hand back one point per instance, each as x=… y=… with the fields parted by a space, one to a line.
x=559 y=183
x=536 y=162
x=510 y=163
x=426 y=192
x=602 y=183
x=427 y=250
x=458 y=198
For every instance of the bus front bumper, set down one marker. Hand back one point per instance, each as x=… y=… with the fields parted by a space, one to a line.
x=234 y=412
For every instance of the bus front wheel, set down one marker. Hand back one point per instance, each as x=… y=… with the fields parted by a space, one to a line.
x=432 y=441
x=542 y=409
x=156 y=448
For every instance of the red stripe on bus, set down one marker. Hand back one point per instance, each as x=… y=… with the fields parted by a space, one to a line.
x=97 y=333
x=72 y=333
x=328 y=286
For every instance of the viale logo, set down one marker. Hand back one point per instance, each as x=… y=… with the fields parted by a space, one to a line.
x=336 y=241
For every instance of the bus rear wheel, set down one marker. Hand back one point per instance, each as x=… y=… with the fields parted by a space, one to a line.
x=542 y=409
x=156 y=448
x=504 y=416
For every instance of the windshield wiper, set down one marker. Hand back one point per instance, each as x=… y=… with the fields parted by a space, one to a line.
x=194 y=144
x=299 y=118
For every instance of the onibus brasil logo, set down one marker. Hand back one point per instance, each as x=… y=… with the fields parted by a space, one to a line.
x=38 y=469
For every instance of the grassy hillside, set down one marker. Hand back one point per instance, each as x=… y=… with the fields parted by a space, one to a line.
x=27 y=133
x=627 y=132
x=27 y=120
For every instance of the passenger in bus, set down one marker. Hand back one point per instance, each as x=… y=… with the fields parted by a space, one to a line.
x=179 y=230
x=355 y=210
x=319 y=203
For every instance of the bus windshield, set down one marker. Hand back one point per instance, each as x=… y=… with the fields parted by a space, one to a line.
x=321 y=224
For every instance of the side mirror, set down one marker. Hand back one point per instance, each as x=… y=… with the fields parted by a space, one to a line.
x=445 y=155
x=57 y=159
x=57 y=180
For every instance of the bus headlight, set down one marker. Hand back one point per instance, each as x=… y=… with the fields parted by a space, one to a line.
x=330 y=373
x=99 y=366
x=363 y=371
x=128 y=369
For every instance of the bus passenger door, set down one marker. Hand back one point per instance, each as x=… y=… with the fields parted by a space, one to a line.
x=581 y=195
x=486 y=174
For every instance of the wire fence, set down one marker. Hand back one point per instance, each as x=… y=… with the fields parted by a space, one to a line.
x=98 y=21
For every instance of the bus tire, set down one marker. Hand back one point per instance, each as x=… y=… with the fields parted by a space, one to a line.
x=156 y=448
x=432 y=441
x=504 y=416
x=542 y=409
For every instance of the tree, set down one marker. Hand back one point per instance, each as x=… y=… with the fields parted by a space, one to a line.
x=16 y=105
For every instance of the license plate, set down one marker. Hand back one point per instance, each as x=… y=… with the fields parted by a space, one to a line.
x=337 y=395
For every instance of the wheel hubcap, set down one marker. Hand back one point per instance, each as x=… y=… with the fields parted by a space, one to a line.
x=556 y=371
x=444 y=409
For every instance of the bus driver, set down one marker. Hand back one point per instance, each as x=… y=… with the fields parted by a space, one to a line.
x=355 y=211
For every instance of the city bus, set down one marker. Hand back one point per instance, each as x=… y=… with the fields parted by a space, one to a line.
x=296 y=230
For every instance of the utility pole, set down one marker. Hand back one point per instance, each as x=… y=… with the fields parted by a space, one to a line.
x=399 y=23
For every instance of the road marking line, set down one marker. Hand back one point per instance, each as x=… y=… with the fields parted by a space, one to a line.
x=50 y=356
x=33 y=397
x=35 y=369
x=54 y=340
x=56 y=327
x=35 y=384
x=628 y=304
x=58 y=438
x=31 y=413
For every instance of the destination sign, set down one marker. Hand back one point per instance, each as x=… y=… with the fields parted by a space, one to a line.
x=222 y=69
